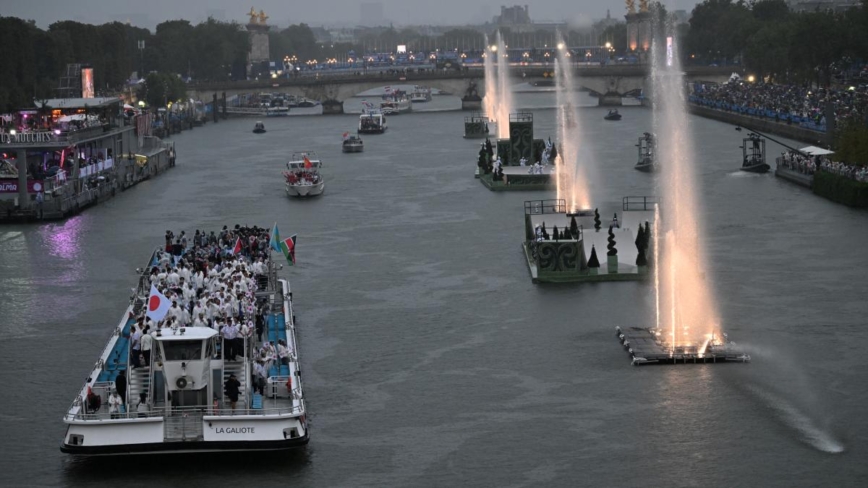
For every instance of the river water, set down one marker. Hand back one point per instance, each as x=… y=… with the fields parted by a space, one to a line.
x=429 y=357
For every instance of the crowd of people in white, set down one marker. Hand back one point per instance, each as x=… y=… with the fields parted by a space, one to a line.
x=212 y=285
x=808 y=165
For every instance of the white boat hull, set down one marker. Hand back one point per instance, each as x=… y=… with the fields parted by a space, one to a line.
x=305 y=190
x=278 y=424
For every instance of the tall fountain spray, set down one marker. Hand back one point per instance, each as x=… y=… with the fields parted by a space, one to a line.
x=504 y=92
x=489 y=102
x=684 y=293
x=574 y=161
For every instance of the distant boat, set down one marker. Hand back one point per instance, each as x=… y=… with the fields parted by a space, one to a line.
x=372 y=123
x=753 y=150
x=276 y=111
x=420 y=94
x=613 y=115
x=307 y=103
x=353 y=144
x=303 y=178
x=397 y=105
x=259 y=128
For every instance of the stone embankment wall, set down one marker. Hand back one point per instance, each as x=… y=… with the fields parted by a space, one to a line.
x=794 y=132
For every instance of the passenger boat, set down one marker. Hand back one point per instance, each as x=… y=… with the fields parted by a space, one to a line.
x=259 y=128
x=353 y=144
x=177 y=399
x=279 y=111
x=302 y=176
x=420 y=94
x=613 y=115
x=372 y=123
x=647 y=153
x=396 y=105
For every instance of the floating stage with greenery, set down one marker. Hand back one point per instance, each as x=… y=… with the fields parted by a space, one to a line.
x=650 y=346
x=581 y=246
x=520 y=146
x=516 y=178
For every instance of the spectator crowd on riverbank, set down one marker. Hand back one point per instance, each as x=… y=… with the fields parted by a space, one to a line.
x=784 y=103
x=808 y=165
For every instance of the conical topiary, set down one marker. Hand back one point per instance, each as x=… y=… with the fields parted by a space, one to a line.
x=647 y=236
x=555 y=233
x=593 y=262
x=640 y=243
x=611 y=245
x=597 y=220
x=574 y=228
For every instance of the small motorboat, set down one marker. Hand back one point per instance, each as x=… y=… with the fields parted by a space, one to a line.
x=353 y=144
x=613 y=115
x=753 y=150
x=259 y=128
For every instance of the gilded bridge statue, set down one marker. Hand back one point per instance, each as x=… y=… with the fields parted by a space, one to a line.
x=255 y=18
x=631 y=6
x=643 y=5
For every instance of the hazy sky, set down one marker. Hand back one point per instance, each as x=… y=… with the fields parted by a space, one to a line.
x=148 y=13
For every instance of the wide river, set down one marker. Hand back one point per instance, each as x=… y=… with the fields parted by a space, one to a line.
x=429 y=357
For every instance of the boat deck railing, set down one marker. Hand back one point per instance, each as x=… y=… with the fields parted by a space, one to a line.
x=76 y=412
x=639 y=203
x=539 y=207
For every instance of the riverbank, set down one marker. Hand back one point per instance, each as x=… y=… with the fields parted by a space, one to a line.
x=789 y=131
x=841 y=189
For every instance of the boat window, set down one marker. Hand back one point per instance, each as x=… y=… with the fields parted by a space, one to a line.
x=183 y=350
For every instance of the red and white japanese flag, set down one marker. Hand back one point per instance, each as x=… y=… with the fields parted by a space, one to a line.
x=158 y=305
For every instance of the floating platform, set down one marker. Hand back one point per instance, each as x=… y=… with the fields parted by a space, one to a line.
x=518 y=179
x=645 y=347
x=567 y=259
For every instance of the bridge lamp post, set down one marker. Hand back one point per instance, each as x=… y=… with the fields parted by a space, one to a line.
x=546 y=56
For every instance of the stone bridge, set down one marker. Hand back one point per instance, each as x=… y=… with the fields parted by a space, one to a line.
x=611 y=82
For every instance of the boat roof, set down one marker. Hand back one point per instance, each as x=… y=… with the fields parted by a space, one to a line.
x=61 y=103
x=816 y=151
x=189 y=333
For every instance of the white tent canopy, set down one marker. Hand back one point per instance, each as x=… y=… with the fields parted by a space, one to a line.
x=70 y=118
x=816 y=151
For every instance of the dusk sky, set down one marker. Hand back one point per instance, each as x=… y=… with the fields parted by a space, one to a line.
x=148 y=13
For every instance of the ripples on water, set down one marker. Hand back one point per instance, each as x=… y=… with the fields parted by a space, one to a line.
x=429 y=357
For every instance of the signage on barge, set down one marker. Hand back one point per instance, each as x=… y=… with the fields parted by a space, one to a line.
x=235 y=430
x=11 y=186
x=25 y=138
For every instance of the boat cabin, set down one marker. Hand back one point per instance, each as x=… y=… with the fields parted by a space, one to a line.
x=185 y=353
